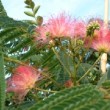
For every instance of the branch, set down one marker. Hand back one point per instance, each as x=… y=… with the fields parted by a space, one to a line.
x=88 y=70
x=14 y=60
x=45 y=90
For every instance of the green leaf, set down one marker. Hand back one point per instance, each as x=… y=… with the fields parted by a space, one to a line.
x=83 y=97
x=29 y=13
x=102 y=80
x=15 y=34
x=67 y=63
x=22 y=44
x=23 y=106
x=36 y=9
x=82 y=69
x=32 y=4
x=106 y=84
x=27 y=2
x=32 y=51
x=2 y=82
x=108 y=73
x=27 y=6
x=6 y=31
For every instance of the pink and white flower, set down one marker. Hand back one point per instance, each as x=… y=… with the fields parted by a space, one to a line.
x=41 y=33
x=22 y=80
x=60 y=26
x=102 y=41
x=79 y=28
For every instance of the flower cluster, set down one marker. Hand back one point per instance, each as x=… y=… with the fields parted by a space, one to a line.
x=79 y=28
x=65 y=26
x=61 y=26
x=22 y=80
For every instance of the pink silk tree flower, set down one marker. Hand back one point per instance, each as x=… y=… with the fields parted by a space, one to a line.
x=79 y=28
x=42 y=34
x=60 y=26
x=101 y=46
x=22 y=80
x=102 y=42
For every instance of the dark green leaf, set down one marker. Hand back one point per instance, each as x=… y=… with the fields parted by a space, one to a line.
x=102 y=80
x=84 y=97
x=36 y=9
x=29 y=13
x=2 y=82
x=21 y=44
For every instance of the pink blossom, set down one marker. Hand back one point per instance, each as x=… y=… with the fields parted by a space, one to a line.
x=41 y=33
x=60 y=26
x=102 y=42
x=22 y=80
x=101 y=46
x=79 y=28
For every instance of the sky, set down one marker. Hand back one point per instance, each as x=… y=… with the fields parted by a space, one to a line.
x=77 y=8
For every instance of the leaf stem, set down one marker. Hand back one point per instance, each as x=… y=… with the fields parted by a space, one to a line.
x=89 y=69
x=45 y=90
x=14 y=60
x=61 y=61
x=45 y=75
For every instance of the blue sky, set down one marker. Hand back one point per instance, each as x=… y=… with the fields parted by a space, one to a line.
x=76 y=8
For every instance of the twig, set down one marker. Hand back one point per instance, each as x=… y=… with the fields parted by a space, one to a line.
x=45 y=75
x=45 y=90
x=61 y=61
x=88 y=70
x=14 y=60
